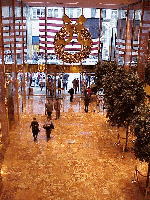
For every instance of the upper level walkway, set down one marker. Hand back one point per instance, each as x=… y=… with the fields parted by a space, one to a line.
x=80 y=161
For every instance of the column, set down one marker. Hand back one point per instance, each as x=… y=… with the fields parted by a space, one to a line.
x=139 y=61
x=4 y=125
x=24 y=87
x=127 y=43
x=99 y=44
x=14 y=68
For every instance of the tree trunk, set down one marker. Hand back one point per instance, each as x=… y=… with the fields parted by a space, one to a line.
x=126 y=149
x=147 y=181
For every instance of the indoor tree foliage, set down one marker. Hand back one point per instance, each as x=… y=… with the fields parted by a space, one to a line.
x=147 y=73
x=123 y=91
x=141 y=127
x=103 y=68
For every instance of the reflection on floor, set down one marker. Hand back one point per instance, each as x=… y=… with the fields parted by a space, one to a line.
x=80 y=161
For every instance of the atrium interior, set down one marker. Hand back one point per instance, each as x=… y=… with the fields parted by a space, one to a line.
x=48 y=48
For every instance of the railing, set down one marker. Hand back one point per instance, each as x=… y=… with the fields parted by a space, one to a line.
x=144 y=191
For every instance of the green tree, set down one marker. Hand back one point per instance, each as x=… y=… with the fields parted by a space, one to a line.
x=102 y=69
x=147 y=73
x=141 y=127
x=123 y=91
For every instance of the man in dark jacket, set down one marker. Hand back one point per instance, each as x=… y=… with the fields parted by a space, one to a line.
x=49 y=108
x=71 y=92
x=86 y=103
x=57 y=106
x=35 y=128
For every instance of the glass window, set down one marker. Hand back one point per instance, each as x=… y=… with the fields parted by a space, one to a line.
x=42 y=12
x=62 y=12
x=93 y=12
x=67 y=11
x=17 y=12
x=103 y=13
x=50 y=13
x=138 y=15
x=71 y=12
x=34 y=13
x=78 y=12
x=113 y=14
x=38 y=12
x=55 y=12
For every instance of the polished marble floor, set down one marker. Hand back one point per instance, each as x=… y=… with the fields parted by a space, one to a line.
x=81 y=161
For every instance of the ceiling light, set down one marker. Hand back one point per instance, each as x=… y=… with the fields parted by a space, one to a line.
x=59 y=3
x=72 y=3
x=35 y=2
x=109 y=4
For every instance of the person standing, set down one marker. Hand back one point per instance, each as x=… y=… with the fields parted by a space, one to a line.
x=71 y=92
x=78 y=84
x=49 y=108
x=35 y=128
x=48 y=126
x=59 y=86
x=30 y=79
x=57 y=106
x=89 y=92
x=75 y=85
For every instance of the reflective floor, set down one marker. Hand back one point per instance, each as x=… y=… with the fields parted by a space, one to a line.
x=80 y=161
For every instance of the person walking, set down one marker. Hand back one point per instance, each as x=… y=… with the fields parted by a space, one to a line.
x=57 y=106
x=49 y=108
x=35 y=128
x=71 y=92
x=89 y=92
x=86 y=103
x=48 y=126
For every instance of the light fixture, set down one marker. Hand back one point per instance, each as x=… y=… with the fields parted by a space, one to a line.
x=72 y=3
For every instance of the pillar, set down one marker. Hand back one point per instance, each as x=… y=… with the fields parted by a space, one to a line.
x=14 y=68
